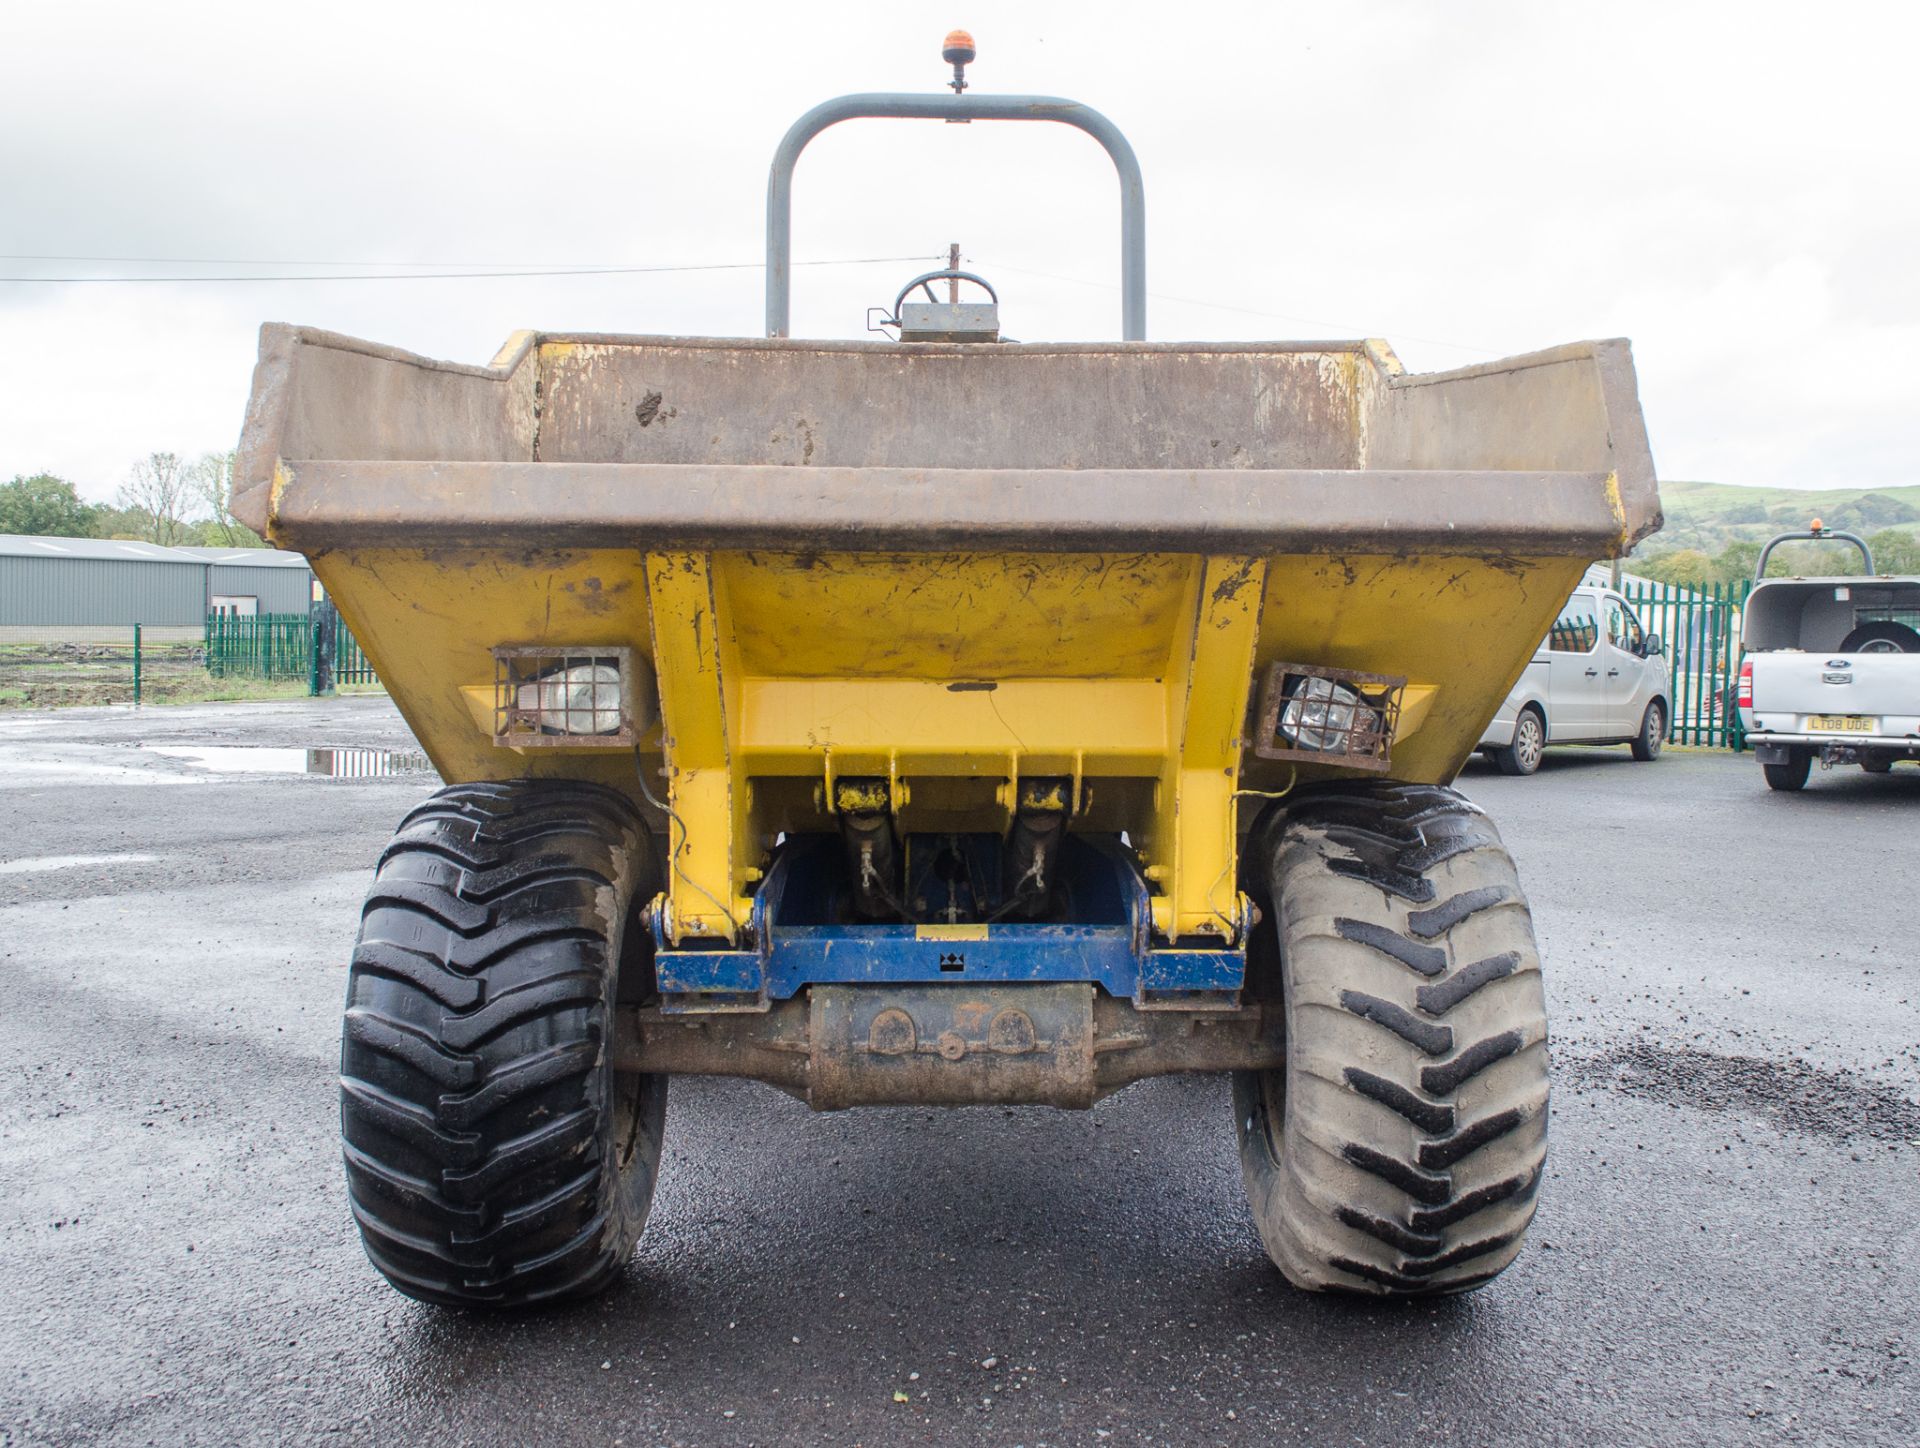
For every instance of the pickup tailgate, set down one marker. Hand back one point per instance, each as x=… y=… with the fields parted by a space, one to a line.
x=1838 y=694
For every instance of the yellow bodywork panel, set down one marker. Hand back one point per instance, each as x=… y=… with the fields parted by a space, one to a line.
x=952 y=676
x=1465 y=627
x=968 y=616
x=1190 y=846
x=697 y=660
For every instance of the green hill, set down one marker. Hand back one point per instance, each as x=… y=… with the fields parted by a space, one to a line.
x=1709 y=516
x=1714 y=531
x=1718 y=500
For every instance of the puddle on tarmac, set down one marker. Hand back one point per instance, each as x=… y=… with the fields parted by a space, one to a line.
x=327 y=763
x=41 y=863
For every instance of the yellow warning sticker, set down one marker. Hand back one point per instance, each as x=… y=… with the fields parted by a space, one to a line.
x=950 y=932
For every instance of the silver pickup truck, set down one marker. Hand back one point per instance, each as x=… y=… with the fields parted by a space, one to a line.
x=1832 y=669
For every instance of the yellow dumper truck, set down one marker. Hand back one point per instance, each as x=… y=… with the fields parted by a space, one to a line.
x=943 y=720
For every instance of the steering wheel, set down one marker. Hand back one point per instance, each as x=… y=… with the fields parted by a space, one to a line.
x=930 y=278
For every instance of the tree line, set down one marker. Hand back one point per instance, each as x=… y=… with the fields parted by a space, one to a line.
x=166 y=499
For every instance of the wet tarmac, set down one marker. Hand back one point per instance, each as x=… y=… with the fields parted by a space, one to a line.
x=1727 y=1249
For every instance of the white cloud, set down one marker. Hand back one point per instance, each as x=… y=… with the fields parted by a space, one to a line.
x=1720 y=183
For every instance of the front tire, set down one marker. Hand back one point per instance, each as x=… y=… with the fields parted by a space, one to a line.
x=1791 y=775
x=494 y=1156
x=1399 y=1151
x=1529 y=744
x=1653 y=733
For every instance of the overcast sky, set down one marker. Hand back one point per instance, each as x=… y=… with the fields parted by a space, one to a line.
x=1733 y=186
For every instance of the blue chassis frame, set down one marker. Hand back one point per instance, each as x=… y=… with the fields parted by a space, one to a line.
x=798 y=941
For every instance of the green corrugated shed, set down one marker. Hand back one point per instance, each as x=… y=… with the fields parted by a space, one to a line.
x=75 y=582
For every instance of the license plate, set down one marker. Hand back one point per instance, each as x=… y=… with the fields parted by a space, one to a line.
x=1841 y=723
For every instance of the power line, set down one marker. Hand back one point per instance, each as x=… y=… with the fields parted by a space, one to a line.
x=489 y=270
x=577 y=271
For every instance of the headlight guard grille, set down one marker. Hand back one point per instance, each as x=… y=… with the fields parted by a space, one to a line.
x=1310 y=714
x=581 y=697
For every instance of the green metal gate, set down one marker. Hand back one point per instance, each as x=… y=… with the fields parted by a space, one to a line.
x=279 y=646
x=265 y=646
x=1700 y=628
x=350 y=665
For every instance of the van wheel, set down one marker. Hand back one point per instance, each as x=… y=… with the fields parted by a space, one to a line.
x=1653 y=733
x=1793 y=774
x=1877 y=764
x=1399 y=1150
x=1529 y=744
x=494 y=1156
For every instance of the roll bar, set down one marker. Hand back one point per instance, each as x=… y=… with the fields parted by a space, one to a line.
x=1817 y=535
x=958 y=107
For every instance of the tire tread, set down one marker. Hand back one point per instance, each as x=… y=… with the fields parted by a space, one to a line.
x=1401 y=1149
x=478 y=1103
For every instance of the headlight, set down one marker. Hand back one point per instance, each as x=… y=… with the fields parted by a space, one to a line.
x=583 y=699
x=1315 y=713
x=594 y=697
x=1324 y=716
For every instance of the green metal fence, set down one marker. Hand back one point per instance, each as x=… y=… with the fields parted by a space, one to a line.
x=266 y=646
x=350 y=665
x=280 y=646
x=1700 y=628
x=59 y=666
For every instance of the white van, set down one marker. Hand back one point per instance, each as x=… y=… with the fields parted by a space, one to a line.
x=1597 y=678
